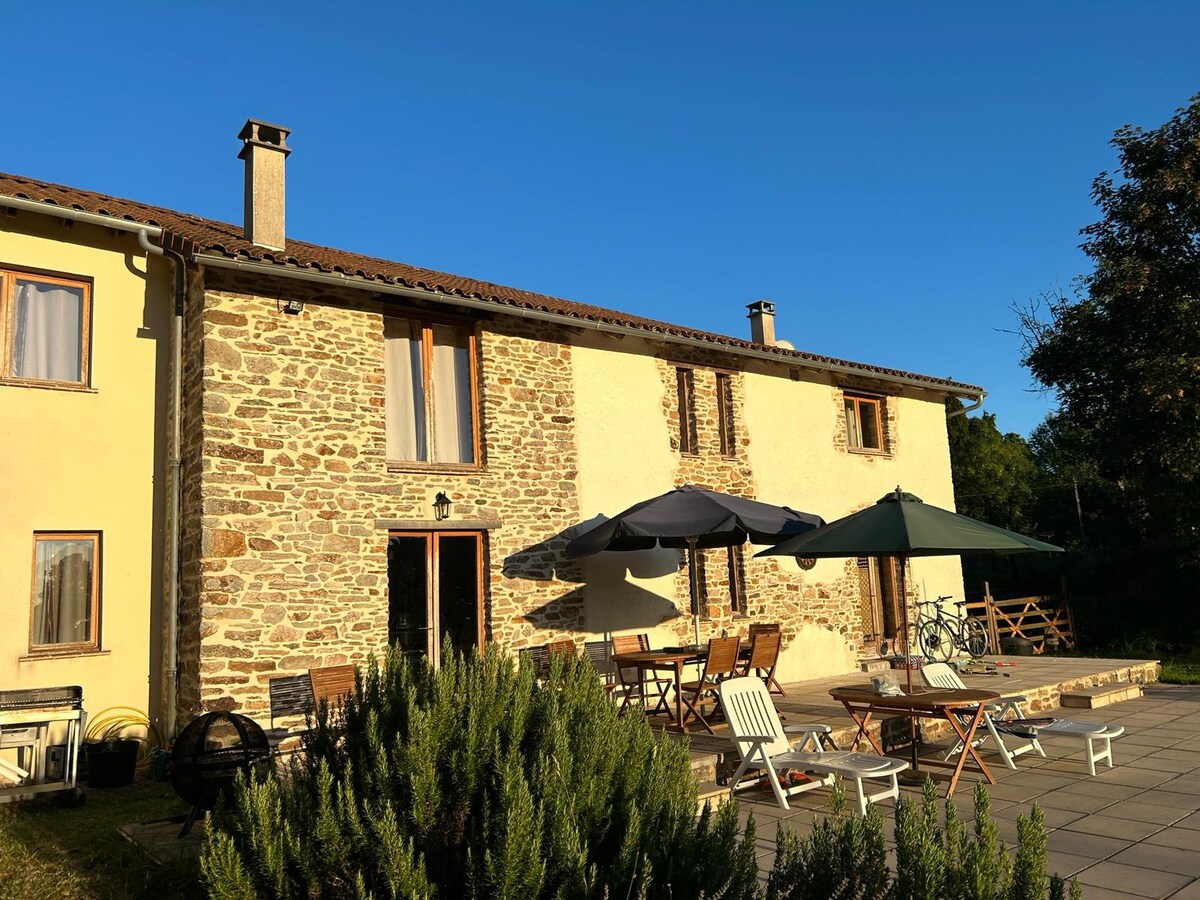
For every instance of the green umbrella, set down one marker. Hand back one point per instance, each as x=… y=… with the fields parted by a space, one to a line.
x=901 y=526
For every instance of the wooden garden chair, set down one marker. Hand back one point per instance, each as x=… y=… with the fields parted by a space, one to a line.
x=764 y=656
x=721 y=663
x=630 y=684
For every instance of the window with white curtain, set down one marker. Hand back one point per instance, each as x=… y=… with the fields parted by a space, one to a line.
x=45 y=324
x=66 y=592
x=430 y=392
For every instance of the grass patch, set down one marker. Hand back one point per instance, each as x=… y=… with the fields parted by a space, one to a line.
x=1179 y=672
x=50 y=851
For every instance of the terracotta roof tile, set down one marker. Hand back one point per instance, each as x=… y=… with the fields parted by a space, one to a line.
x=227 y=240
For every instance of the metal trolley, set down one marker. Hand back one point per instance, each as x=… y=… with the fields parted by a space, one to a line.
x=31 y=724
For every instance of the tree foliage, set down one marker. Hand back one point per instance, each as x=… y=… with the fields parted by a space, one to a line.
x=993 y=472
x=1122 y=357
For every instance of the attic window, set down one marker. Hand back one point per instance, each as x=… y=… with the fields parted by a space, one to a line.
x=864 y=422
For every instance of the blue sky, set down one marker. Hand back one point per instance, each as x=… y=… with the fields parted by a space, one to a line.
x=893 y=176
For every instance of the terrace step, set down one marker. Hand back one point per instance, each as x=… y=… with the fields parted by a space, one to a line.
x=1100 y=695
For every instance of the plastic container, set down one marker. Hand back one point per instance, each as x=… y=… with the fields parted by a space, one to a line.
x=111 y=764
x=1015 y=645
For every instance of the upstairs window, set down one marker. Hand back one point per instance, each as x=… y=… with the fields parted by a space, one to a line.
x=725 y=414
x=864 y=424
x=66 y=593
x=430 y=403
x=45 y=323
x=685 y=389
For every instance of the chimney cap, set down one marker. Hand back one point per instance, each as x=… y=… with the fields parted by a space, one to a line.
x=761 y=307
x=263 y=134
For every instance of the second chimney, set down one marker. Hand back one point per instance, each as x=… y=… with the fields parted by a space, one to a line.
x=762 y=322
x=264 y=152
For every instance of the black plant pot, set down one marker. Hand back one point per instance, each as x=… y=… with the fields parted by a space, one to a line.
x=111 y=764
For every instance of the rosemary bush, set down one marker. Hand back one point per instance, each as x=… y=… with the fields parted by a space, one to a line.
x=845 y=857
x=477 y=781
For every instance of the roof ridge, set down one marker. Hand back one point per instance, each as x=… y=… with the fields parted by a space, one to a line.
x=227 y=239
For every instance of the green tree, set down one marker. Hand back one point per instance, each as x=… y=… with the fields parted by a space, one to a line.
x=993 y=472
x=1122 y=357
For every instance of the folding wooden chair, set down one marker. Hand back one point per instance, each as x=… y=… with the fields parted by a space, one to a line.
x=721 y=663
x=764 y=656
x=629 y=680
x=331 y=684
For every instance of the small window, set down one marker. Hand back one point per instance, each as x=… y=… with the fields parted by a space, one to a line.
x=725 y=414
x=430 y=404
x=45 y=324
x=864 y=428
x=685 y=385
x=66 y=592
x=737 y=579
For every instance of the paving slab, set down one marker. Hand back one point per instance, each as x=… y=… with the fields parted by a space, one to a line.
x=1107 y=826
x=1160 y=858
x=1132 y=879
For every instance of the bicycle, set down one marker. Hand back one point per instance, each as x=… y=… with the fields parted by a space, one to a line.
x=939 y=635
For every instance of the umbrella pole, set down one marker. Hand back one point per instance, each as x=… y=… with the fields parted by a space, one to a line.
x=693 y=588
x=912 y=722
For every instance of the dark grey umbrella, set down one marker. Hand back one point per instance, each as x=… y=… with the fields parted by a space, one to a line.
x=901 y=526
x=693 y=518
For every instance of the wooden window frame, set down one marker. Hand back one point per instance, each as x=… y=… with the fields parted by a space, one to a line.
x=8 y=287
x=91 y=645
x=736 y=567
x=725 y=414
x=852 y=403
x=432 y=612
x=685 y=391
x=426 y=325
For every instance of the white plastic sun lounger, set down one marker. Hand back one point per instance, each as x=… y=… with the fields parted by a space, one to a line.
x=1097 y=737
x=762 y=741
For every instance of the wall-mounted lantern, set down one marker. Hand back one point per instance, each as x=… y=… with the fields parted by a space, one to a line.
x=441 y=506
x=290 y=307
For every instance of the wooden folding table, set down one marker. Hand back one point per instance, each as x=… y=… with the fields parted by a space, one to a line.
x=662 y=661
x=963 y=709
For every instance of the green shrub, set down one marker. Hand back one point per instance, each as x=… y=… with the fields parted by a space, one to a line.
x=477 y=781
x=936 y=857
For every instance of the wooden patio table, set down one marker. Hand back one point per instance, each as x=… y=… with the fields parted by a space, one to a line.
x=862 y=702
x=662 y=661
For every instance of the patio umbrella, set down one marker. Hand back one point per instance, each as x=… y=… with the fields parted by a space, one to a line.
x=693 y=518
x=902 y=526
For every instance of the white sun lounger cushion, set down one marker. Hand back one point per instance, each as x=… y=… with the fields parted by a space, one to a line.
x=1082 y=729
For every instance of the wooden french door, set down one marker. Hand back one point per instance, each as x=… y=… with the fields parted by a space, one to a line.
x=435 y=591
x=878 y=606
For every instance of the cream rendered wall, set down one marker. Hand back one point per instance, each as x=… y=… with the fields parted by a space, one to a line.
x=792 y=426
x=86 y=461
x=624 y=457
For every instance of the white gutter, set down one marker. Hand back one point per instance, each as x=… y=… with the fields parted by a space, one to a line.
x=966 y=409
x=171 y=611
x=75 y=215
x=383 y=287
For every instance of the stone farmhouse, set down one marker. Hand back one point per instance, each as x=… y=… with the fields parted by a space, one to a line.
x=232 y=456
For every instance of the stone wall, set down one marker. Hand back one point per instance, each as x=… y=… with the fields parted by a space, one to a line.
x=288 y=496
x=285 y=562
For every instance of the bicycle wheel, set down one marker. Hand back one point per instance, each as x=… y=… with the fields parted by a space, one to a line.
x=976 y=638
x=935 y=640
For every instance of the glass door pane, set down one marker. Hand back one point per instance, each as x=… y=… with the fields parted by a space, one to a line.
x=408 y=593
x=458 y=590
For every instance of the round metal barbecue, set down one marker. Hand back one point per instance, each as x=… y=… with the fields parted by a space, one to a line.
x=209 y=753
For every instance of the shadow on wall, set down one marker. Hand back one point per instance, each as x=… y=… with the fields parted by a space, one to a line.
x=605 y=601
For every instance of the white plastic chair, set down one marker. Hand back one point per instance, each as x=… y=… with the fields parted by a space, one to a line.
x=943 y=676
x=762 y=741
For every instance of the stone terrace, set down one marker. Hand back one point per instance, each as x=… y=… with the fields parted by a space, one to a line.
x=1132 y=831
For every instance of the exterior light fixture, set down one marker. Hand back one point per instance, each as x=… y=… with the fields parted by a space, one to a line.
x=806 y=562
x=441 y=506
x=290 y=307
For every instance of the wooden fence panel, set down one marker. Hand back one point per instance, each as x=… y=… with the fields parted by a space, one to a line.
x=1033 y=618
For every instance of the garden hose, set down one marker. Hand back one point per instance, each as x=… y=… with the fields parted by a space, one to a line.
x=112 y=723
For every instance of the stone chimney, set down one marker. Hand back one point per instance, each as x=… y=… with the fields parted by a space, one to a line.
x=264 y=152
x=762 y=322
